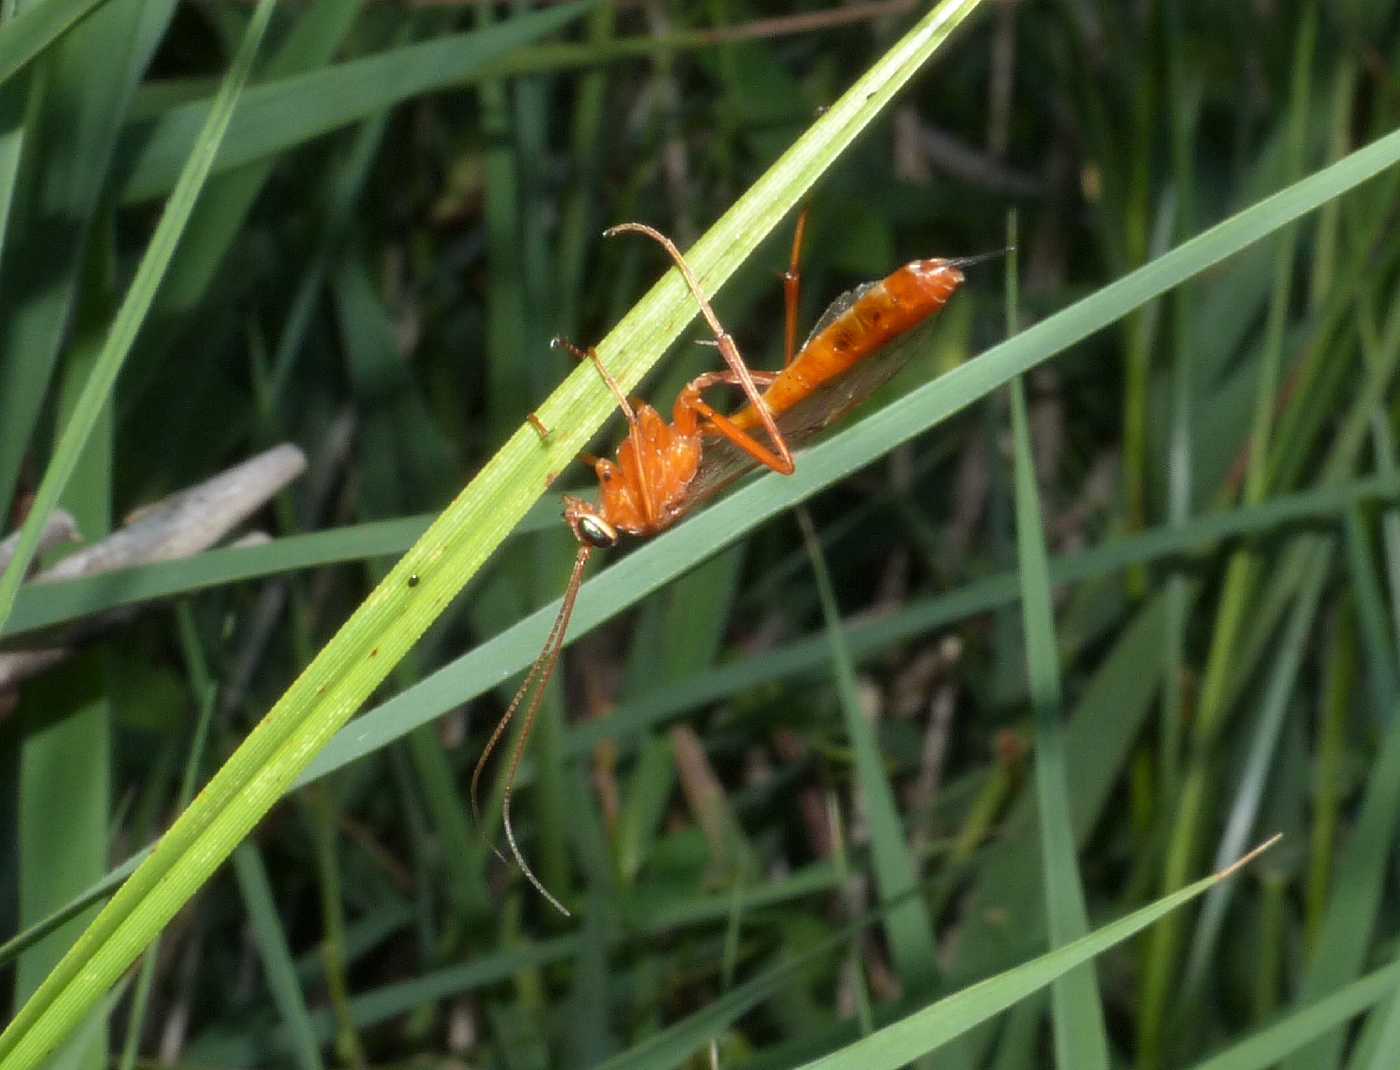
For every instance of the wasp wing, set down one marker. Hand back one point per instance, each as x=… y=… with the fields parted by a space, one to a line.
x=723 y=462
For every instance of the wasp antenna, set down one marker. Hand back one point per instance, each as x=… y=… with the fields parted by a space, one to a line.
x=536 y=680
x=535 y=882
x=980 y=258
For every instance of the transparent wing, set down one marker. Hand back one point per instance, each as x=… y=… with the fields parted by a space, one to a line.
x=723 y=462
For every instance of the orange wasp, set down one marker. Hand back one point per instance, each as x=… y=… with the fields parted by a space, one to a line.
x=662 y=471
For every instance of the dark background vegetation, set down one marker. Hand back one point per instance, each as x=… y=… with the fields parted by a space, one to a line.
x=386 y=303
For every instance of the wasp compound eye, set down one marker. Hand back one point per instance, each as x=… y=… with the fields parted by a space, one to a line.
x=597 y=532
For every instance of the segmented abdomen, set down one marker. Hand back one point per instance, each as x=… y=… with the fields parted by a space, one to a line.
x=883 y=312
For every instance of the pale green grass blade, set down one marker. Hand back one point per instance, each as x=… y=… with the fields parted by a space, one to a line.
x=672 y=553
x=132 y=312
x=285 y=113
x=474 y=672
x=908 y=927
x=416 y=591
x=34 y=29
x=1076 y=1007
x=41 y=606
x=276 y=957
x=929 y=1029
x=1292 y=1034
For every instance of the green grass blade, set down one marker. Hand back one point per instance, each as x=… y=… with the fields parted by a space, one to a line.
x=1080 y=1036
x=222 y=212
x=66 y=756
x=1292 y=1034
x=40 y=606
x=480 y=669
x=1358 y=886
x=417 y=590
x=929 y=1029
x=276 y=958
x=99 y=891
x=34 y=29
x=282 y=114
x=667 y=556
x=1381 y=1038
x=67 y=123
x=132 y=313
x=1263 y=753
x=908 y=927
x=45 y=605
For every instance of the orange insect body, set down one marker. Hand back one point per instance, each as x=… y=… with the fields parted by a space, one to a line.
x=662 y=470
x=881 y=313
x=644 y=490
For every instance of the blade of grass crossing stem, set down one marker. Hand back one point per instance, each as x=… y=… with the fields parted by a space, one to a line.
x=134 y=307
x=392 y=618
x=928 y=1029
x=1080 y=1036
x=908 y=927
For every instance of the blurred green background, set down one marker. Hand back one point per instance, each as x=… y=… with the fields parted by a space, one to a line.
x=765 y=845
